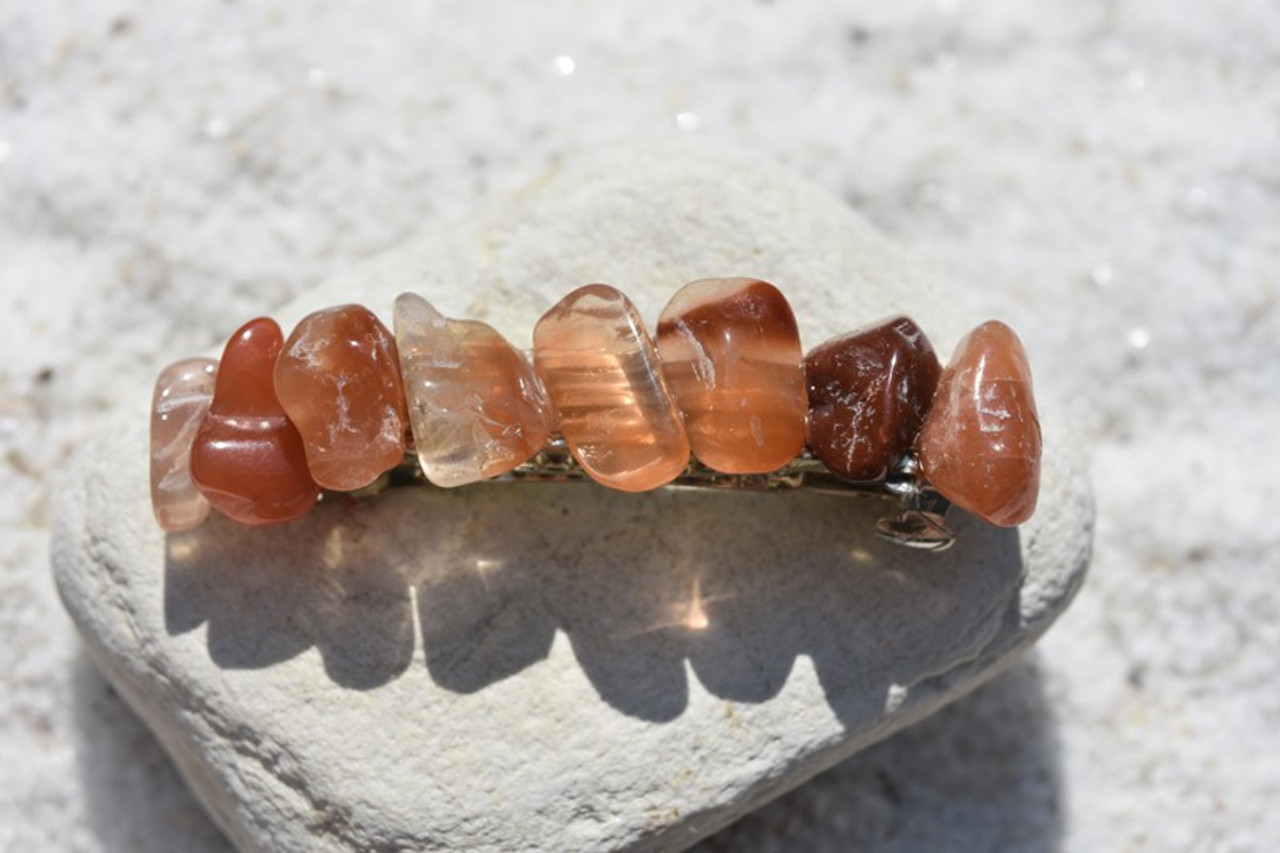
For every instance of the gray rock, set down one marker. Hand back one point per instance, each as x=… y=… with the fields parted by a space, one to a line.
x=558 y=666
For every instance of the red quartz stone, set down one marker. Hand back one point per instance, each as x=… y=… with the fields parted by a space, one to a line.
x=338 y=378
x=247 y=457
x=868 y=393
x=732 y=359
x=980 y=443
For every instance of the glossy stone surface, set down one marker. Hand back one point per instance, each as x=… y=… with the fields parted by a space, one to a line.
x=602 y=373
x=338 y=378
x=247 y=458
x=731 y=356
x=182 y=395
x=477 y=407
x=868 y=393
x=980 y=443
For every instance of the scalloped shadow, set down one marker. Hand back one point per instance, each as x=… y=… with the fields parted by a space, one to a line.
x=737 y=585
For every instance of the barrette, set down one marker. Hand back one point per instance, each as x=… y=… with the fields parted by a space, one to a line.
x=721 y=397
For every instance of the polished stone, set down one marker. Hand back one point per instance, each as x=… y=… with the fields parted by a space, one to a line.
x=182 y=395
x=247 y=457
x=980 y=443
x=731 y=356
x=868 y=393
x=477 y=407
x=338 y=378
x=602 y=373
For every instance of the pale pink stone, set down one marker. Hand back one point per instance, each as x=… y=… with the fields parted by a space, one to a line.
x=601 y=370
x=181 y=399
x=476 y=406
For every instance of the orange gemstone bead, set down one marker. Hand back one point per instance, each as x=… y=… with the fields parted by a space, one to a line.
x=247 y=458
x=731 y=356
x=601 y=372
x=338 y=378
x=980 y=443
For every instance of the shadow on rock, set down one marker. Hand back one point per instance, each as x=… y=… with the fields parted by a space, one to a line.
x=731 y=586
x=269 y=594
x=135 y=799
x=982 y=774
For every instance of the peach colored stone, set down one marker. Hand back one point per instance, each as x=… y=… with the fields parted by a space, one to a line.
x=477 y=407
x=980 y=443
x=731 y=356
x=247 y=458
x=868 y=393
x=178 y=406
x=338 y=378
x=601 y=371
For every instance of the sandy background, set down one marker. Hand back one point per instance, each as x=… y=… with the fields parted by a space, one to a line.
x=1108 y=173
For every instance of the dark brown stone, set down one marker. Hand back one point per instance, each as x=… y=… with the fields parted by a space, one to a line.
x=868 y=393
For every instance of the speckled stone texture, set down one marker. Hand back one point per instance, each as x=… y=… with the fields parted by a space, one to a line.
x=560 y=666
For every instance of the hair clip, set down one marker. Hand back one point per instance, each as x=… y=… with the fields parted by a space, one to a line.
x=721 y=397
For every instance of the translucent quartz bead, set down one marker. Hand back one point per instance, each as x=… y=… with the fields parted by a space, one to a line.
x=181 y=399
x=476 y=405
x=731 y=356
x=601 y=371
x=868 y=393
x=980 y=443
x=338 y=379
x=247 y=458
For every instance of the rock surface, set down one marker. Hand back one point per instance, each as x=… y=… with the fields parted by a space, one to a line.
x=559 y=666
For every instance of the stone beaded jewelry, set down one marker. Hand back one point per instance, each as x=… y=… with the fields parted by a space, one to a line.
x=345 y=406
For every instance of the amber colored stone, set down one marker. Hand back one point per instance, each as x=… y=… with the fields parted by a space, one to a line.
x=247 y=458
x=601 y=371
x=731 y=356
x=477 y=407
x=868 y=393
x=980 y=443
x=178 y=406
x=338 y=378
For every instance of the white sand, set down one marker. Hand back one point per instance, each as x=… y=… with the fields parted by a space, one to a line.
x=1108 y=172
